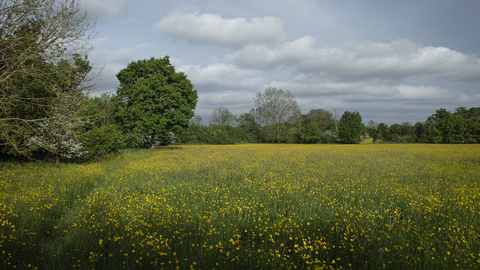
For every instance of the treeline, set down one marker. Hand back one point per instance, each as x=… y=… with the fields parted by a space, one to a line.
x=461 y=126
x=318 y=126
x=321 y=126
x=275 y=118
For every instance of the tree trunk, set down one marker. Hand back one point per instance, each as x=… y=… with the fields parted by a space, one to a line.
x=152 y=142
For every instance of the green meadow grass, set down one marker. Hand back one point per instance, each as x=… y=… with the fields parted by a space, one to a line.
x=393 y=206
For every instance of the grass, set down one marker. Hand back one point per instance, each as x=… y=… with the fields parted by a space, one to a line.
x=247 y=206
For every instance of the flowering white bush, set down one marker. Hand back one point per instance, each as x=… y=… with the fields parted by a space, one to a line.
x=57 y=133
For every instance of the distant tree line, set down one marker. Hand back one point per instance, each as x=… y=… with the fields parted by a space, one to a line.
x=276 y=118
x=461 y=126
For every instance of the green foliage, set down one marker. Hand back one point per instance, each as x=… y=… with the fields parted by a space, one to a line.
x=311 y=133
x=250 y=126
x=153 y=99
x=135 y=139
x=222 y=117
x=39 y=69
x=322 y=118
x=194 y=133
x=277 y=112
x=99 y=110
x=444 y=127
x=226 y=135
x=374 y=133
x=351 y=127
x=219 y=136
x=103 y=141
x=472 y=123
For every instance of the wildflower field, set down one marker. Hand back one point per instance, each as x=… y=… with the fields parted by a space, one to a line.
x=390 y=206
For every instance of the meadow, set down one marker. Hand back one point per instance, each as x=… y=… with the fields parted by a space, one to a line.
x=387 y=206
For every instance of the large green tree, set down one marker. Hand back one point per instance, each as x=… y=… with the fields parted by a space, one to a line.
x=351 y=127
x=472 y=123
x=153 y=99
x=445 y=127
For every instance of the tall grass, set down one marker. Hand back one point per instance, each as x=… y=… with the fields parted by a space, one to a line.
x=247 y=206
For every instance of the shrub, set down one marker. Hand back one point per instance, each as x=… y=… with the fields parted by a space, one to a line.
x=311 y=133
x=221 y=137
x=104 y=140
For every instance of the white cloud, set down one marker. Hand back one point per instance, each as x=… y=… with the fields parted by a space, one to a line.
x=220 y=77
x=396 y=60
x=105 y=9
x=213 y=29
x=112 y=62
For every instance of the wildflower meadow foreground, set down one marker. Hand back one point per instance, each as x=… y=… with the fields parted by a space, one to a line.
x=384 y=206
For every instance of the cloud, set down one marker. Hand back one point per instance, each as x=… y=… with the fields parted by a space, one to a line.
x=395 y=60
x=237 y=103
x=105 y=9
x=389 y=103
x=314 y=92
x=213 y=29
x=220 y=77
x=370 y=91
x=112 y=62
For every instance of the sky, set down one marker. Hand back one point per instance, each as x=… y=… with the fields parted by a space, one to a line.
x=392 y=61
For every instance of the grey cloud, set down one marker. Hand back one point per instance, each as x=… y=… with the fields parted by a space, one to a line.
x=235 y=102
x=213 y=29
x=395 y=60
x=377 y=100
x=373 y=92
x=106 y=9
x=111 y=63
x=219 y=77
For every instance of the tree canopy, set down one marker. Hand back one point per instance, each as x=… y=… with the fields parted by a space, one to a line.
x=153 y=99
x=222 y=117
x=43 y=71
x=311 y=133
x=322 y=118
x=277 y=112
x=351 y=127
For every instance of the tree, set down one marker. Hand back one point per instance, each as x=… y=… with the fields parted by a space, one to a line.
x=419 y=132
x=99 y=110
x=104 y=140
x=351 y=127
x=43 y=64
x=472 y=123
x=311 y=133
x=222 y=117
x=372 y=130
x=196 y=120
x=276 y=111
x=154 y=100
x=322 y=118
x=372 y=124
x=395 y=132
x=449 y=128
x=250 y=126
x=384 y=132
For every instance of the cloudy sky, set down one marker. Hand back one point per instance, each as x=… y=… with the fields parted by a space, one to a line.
x=393 y=61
